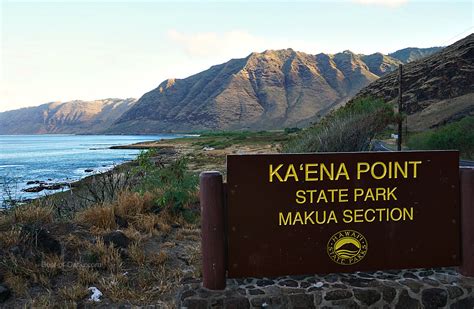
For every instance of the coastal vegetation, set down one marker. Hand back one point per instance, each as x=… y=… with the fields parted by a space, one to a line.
x=350 y=128
x=133 y=233
x=456 y=135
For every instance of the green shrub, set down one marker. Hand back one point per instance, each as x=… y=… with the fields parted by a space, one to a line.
x=350 y=128
x=174 y=185
x=457 y=135
x=292 y=130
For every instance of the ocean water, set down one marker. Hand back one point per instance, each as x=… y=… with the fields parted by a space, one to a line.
x=59 y=158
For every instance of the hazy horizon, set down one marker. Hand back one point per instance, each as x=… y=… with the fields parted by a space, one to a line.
x=65 y=51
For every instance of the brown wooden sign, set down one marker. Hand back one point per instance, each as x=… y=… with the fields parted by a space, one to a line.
x=342 y=212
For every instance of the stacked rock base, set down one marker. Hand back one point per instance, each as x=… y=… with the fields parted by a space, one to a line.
x=415 y=288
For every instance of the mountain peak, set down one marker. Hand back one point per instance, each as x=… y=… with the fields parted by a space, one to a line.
x=430 y=97
x=75 y=116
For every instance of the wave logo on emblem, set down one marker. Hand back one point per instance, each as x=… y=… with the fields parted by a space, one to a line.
x=347 y=247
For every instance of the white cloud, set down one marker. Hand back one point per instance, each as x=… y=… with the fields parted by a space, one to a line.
x=232 y=44
x=209 y=43
x=386 y=3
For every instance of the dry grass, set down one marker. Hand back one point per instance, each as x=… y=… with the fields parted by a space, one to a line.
x=41 y=301
x=73 y=292
x=10 y=238
x=18 y=284
x=150 y=223
x=133 y=234
x=26 y=268
x=33 y=214
x=188 y=234
x=87 y=275
x=116 y=287
x=75 y=242
x=195 y=258
x=129 y=204
x=98 y=216
x=51 y=264
x=158 y=259
x=109 y=256
x=137 y=254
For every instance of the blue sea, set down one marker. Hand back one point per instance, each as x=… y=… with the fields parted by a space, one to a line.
x=59 y=158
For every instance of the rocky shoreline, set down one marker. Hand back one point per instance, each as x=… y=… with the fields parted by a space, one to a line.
x=165 y=152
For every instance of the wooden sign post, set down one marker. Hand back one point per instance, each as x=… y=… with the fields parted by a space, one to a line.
x=335 y=212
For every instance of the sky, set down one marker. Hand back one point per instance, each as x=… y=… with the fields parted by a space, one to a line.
x=67 y=50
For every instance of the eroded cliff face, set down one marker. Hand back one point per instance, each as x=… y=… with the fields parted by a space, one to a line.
x=437 y=89
x=68 y=117
x=269 y=90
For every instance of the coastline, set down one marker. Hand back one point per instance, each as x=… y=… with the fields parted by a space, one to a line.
x=35 y=166
x=203 y=152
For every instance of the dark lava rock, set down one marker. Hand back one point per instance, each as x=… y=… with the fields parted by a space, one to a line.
x=361 y=282
x=431 y=281
x=465 y=303
x=425 y=273
x=217 y=303
x=304 y=284
x=264 y=282
x=346 y=304
x=434 y=298
x=34 y=189
x=121 y=222
x=388 y=293
x=339 y=286
x=267 y=301
x=301 y=301
x=117 y=238
x=47 y=243
x=412 y=284
x=256 y=292
x=236 y=303
x=367 y=297
x=187 y=294
x=454 y=291
x=54 y=186
x=195 y=303
x=5 y=293
x=88 y=170
x=406 y=302
x=338 y=294
x=288 y=282
x=366 y=275
x=409 y=275
x=331 y=278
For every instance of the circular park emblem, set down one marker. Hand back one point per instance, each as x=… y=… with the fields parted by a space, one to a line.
x=347 y=247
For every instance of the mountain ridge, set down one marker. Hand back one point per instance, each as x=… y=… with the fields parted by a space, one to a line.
x=437 y=89
x=268 y=90
x=74 y=117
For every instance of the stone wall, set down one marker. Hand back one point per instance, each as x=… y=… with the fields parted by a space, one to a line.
x=416 y=288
